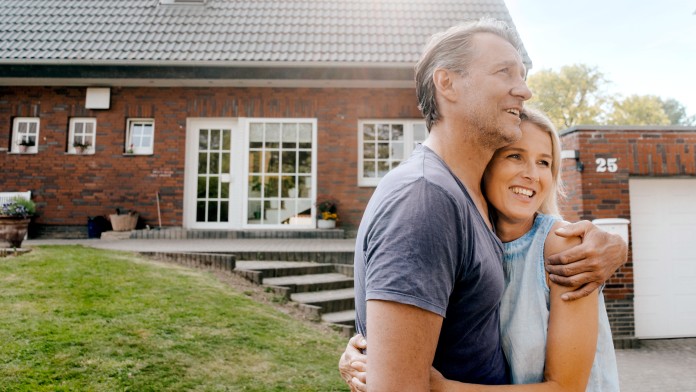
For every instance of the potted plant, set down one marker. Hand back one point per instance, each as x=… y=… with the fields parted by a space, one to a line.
x=124 y=220
x=15 y=216
x=328 y=213
x=81 y=147
x=25 y=143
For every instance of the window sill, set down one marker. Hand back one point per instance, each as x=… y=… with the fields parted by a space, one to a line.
x=22 y=153
x=134 y=154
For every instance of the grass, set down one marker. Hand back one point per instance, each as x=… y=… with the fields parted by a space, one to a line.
x=81 y=319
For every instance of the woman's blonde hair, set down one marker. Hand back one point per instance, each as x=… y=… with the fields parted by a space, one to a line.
x=538 y=118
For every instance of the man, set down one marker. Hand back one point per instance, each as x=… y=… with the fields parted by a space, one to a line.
x=428 y=267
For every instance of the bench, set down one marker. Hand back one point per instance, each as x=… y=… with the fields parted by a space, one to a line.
x=6 y=197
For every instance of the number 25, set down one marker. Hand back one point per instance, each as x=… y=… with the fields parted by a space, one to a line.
x=608 y=164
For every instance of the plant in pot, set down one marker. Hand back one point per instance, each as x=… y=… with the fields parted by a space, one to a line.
x=15 y=216
x=25 y=143
x=81 y=146
x=328 y=213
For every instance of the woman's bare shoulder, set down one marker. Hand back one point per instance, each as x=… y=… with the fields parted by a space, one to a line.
x=555 y=243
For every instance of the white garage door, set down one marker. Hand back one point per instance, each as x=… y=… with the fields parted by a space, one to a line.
x=663 y=231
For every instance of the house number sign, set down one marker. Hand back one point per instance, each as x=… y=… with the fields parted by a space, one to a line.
x=606 y=165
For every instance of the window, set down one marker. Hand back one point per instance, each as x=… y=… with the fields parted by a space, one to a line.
x=383 y=144
x=25 y=135
x=281 y=173
x=82 y=135
x=140 y=136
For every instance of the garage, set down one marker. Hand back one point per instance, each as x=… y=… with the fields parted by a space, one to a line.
x=663 y=232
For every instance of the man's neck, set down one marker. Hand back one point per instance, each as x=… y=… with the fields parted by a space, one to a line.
x=466 y=157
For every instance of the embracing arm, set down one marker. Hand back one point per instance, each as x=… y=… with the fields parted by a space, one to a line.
x=403 y=339
x=353 y=364
x=571 y=342
x=587 y=266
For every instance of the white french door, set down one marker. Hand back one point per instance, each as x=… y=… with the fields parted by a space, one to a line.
x=246 y=173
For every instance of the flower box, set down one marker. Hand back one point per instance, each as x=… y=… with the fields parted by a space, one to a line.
x=326 y=224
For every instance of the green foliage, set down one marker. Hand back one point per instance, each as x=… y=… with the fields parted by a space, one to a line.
x=575 y=95
x=80 y=319
x=18 y=207
x=676 y=112
x=638 y=110
x=328 y=205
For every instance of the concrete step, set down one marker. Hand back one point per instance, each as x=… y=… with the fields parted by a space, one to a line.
x=343 y=322
x=312 y=282
x=329 y=300
x=257 y=271
x=346 y=317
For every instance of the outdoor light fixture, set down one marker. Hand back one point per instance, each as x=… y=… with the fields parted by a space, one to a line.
x=573 y=154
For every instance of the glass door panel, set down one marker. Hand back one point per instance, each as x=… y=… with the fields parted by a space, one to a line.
x=213 y=177
x=280 y=173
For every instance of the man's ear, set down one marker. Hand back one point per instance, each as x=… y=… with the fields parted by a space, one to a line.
x=444 y=84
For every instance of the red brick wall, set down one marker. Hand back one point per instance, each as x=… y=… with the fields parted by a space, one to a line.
x=571 y=205
x=593 y=194
x=69 y=188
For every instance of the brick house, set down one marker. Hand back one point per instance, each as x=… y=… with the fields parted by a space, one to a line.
x=238 y=115
x=648 y=176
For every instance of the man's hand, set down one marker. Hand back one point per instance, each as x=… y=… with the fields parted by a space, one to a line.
x=590 y=264
x=353 y=364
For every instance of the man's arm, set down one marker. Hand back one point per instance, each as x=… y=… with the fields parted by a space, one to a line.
x=403 y=339
x=588 y=265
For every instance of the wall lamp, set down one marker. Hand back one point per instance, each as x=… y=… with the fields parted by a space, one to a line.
x=573 y=154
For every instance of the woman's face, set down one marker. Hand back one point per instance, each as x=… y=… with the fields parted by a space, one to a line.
x=518 y=179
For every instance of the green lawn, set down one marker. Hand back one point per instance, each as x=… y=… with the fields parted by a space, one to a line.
x=81 y=319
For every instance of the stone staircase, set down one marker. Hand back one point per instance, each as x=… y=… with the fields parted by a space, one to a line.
x=323 y=291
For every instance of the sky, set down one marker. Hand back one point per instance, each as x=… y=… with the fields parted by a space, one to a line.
x=641 y=46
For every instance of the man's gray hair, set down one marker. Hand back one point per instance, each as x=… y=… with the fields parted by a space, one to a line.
x=452 y=50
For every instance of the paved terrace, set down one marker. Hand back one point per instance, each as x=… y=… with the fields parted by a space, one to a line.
x=210 y=245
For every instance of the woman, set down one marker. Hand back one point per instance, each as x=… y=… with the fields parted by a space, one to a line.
x=550 y=344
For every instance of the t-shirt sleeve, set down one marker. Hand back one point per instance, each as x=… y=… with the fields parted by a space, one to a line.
x=414 y=248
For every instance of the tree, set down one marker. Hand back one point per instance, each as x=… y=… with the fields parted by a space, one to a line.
x=575 y=95
x=676 y=112
x=638 y=110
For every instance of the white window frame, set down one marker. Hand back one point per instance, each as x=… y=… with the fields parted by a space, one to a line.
x=72 y=136
x=17 y=137
x=245 y=124
x=409 y=143
x=135 y=150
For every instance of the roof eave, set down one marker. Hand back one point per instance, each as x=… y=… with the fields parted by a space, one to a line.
x=247 y=74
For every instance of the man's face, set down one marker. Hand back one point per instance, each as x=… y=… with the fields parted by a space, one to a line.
x=492 y=93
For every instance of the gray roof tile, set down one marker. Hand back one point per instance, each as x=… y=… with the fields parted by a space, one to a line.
x=370 y=31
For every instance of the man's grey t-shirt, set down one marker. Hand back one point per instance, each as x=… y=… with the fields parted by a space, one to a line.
x=422 y=242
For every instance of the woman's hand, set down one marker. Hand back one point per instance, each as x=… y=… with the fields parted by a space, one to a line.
x=353 y=364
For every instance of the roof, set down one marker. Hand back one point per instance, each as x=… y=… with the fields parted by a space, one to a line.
x=289 y=33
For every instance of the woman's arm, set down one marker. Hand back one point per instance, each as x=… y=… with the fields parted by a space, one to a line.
x=571 y=341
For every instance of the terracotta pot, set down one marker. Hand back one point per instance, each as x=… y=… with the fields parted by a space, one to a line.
x=326 y=224
x=13 y=230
